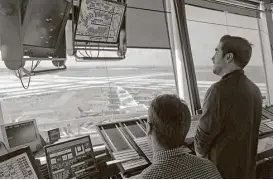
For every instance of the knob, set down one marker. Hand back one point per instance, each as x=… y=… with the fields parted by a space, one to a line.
x=48 y=19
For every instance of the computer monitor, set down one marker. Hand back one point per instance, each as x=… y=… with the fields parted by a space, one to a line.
x=19 y=164
x=71 y=159
x=44 y=22
x=43 y=27
x=21 y=134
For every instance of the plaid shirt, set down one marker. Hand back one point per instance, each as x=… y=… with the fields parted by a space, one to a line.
x=176 y=164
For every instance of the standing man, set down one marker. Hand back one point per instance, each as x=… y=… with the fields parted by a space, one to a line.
x=229 y=126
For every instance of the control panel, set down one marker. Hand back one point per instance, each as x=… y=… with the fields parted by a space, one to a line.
x=127 y=142
x=71 y=159
x=129 y=158
x=138 y=134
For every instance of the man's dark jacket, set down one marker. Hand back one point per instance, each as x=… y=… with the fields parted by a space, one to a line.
x=229 y=126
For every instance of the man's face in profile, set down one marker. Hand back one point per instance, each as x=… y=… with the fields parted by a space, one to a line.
x=218 y=60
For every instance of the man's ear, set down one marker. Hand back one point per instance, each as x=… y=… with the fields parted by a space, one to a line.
x=229 y=57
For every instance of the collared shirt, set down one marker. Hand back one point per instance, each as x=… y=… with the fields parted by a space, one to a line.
x=176 y=164
x=229 y=126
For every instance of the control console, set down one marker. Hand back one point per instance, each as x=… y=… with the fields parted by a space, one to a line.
x=129 y=159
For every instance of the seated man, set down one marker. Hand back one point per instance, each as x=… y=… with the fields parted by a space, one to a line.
x=168 y=124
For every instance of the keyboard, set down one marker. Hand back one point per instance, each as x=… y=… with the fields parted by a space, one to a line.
x=145 y=147
x=131 y=158
x=267 y=112
x=270 y=108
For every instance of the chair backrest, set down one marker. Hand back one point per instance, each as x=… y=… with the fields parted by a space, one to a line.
x=264 y=169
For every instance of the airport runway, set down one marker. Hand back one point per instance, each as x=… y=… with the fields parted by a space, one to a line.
x=75 y=79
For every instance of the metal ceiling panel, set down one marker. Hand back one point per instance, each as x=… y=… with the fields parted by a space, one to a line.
x=143 y=32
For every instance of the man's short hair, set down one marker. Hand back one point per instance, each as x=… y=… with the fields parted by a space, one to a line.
x=240 y=48
x=170 y=120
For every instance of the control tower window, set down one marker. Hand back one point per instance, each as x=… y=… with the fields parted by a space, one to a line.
x=90 y=93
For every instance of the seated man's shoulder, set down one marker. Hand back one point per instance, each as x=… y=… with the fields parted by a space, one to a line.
x=148 y=173
x=198 y=160
x=203 y=165
x=189 y=166
x=194 y=160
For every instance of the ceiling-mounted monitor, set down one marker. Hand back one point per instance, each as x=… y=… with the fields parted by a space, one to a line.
x=99 y=21
x=43 y=27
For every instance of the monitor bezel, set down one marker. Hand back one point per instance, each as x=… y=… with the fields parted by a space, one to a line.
x=32 y=145
x=31 y=158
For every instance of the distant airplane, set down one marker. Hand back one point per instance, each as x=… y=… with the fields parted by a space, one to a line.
x=88 y=113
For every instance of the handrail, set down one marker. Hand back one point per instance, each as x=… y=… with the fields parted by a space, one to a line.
x=38 y=72
x=119 y=117
x=85 y=59
x=43 y=59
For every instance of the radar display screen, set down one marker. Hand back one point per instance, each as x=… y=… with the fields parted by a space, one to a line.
x=99 y=21
x=71 y=159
